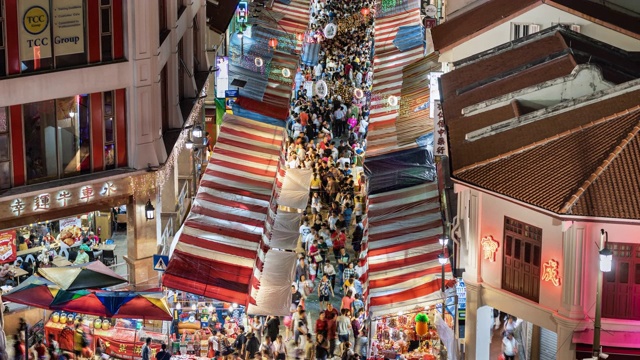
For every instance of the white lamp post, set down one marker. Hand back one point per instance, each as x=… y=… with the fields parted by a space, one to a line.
x=606 y=262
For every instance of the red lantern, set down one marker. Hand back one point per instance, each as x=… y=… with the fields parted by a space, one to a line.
x=273 y=42
x=365 y=11
x=300 y=36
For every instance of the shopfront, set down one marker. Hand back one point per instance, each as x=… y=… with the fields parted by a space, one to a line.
x=38 y=227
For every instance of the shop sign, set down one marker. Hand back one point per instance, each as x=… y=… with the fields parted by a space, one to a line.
x=434 y=91
x=68 y=27
x=440 y=146
x=489 y=248
x=8 y=246
x=230 y=97
x=66 y=197
x=551 y=272
x=242 y=12
x=35 y=37
x=70 y=222
x=222 y=76
x=123 y=349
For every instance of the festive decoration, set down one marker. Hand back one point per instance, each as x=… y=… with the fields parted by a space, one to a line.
x=258 y=61
x=330 y=30
x=422 y=324
x=300 y=36
x=286 y=72
x=392 y=100
x=321 y=89
x=551 y=272
x=358 y=93
x=365 y=11
x=489 y=248
x=273 y=42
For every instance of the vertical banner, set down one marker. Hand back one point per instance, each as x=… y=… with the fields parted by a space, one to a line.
x=308 y=87
x=222 y=75
x=8 y=246
x=34 y=34
x=230 y=97
x=440 y=146
x=434 y=91
x=68 y=27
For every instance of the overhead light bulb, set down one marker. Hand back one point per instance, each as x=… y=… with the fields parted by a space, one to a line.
x=442 y=259
x=234 y=305
x=194 y=307
x=197 y=131
x=188 y=144
x=240 y=34
x=444 y=240
x=178 y=306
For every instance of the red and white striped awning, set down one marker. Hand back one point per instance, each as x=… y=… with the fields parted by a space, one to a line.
x=402 y=248
x=387 y=79
x=217 y=245
x=296 y=17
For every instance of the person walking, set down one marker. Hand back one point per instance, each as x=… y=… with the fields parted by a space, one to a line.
x=146 y=349
x=509 y=347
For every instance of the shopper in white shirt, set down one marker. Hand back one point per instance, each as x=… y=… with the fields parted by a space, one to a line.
x=509 y=347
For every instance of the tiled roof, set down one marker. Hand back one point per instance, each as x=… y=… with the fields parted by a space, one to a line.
x=589 y=170
x=524 y=64
x=495 y=12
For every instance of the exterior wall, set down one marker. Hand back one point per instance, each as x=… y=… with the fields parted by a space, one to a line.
x=543 y=15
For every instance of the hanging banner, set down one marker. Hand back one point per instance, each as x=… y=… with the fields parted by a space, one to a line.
x=34 y=34
x=321 y=89
x=123 y=349
x=70 y=222
x=440 y=146
x=308 y=87
x=330 y=30
x=68 y=27
x=8 y=246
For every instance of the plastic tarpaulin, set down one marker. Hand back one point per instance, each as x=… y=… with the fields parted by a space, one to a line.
x=295 y=189
x=217 y=245
x=399 y=169
x=402 y=248
x=285 y=231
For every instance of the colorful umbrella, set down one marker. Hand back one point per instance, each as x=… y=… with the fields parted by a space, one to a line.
x=149 y=306
x=80 y=301
x=35 y=291
x=91 y=275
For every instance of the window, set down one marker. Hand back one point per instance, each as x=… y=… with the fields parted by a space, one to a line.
x=106 y=38
x=163 y=21
x=3 y=62
x=522 y=30
x=5 y=155
x=522 y=257
x=58 y=138
x=621 y=287
x=109 y=132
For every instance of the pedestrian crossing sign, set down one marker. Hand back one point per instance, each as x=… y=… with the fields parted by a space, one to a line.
x=160 y=262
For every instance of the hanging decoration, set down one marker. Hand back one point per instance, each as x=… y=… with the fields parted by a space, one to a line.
x=330 y=30
x=273 y=42
x=300 y=36
x=258 y=61
x=358 y=93
x=392 y=100
x=422 y=324
x=321 y=89
x=365 y=11
x=286 y=72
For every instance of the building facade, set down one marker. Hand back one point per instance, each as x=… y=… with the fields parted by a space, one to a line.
x=89 y=91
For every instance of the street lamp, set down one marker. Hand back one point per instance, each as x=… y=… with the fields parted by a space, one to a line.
x=149 y=210
x=606 y=260
x=444 y=240
x=196 y=132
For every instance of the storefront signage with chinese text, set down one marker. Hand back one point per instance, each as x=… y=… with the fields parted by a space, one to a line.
x=440 y=146
x=551 y=272
x=489 y=248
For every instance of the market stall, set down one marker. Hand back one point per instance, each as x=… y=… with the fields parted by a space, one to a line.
x=419 y=335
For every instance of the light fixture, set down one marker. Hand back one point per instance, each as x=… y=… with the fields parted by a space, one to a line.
x=71 y=114
x=392 y=100
x=286 y=72
x=273 y=42
x=258 y=61
x=188 y=145
x=400 y=313
x=444 y=240
x=194 y=307
x=442 y=259
x=240 y=34
x=149 y=211
x=234 y=305
x=178 y=306
x=358 y=93
x=197 y=131
x=606 y=260
x=365 y=11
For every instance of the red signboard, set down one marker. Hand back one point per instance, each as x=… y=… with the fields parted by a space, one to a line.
x=7 y=246
x=124 y=349
x=429 y=23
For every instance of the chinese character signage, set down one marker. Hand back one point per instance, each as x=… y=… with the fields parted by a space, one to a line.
x=122 y=349
x=42 y=202
x=551 y=272
x=7 y=246
x=489 y=248
x=440 y=145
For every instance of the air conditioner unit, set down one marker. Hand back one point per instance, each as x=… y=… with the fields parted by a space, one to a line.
x=575 y=28
x=534 y=28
